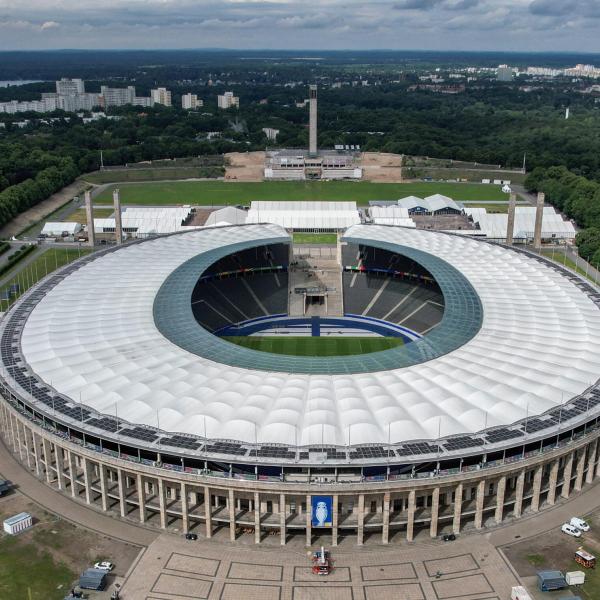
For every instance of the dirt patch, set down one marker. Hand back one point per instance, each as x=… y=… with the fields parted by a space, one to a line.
x=68 y=544
x=245 y=166
x=382 y=167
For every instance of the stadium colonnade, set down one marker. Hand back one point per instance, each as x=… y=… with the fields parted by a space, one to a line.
x=388 y=510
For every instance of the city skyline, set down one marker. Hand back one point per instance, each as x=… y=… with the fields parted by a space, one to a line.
x=521 y=25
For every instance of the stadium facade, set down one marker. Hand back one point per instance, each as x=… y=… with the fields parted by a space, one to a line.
x=118 y=391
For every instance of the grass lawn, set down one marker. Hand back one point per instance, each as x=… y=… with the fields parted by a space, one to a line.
x=315 y=238
x=208 y=193
x=30 y=573
x=79 y=216
x=45 y=263
x=316 y=346
x=559 y=257
x=144 y=175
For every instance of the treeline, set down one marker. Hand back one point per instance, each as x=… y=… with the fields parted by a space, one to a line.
x=576 y=196
x=21 y=196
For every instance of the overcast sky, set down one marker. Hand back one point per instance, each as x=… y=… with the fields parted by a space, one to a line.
x=537 y=25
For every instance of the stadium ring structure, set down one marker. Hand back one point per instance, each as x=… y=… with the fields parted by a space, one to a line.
x=115 y=395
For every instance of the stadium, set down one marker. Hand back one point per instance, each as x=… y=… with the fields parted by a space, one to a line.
x=213 y=379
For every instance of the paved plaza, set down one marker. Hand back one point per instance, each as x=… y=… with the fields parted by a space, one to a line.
x=175 y=569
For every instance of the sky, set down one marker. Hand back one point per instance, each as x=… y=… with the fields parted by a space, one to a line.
x=511 y=25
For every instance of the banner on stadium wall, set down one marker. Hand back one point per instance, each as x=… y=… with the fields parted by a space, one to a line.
x=322 y=511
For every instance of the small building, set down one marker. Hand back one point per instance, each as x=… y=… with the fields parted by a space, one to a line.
x=18 y=523
x=432 y=205
x=92 y=579
x=60 y=229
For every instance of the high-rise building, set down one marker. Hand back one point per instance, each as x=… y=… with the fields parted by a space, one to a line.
x=70 y=87
x=116 y=96
x=312 y=124
x=76 y=102
x=161 y=96
x=190 y=102
x=227 y=100
x=504 y=73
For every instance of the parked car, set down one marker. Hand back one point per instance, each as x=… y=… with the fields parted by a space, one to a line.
x=570 y=530
x=191 y=536
x=104 y=566
x=579 y=523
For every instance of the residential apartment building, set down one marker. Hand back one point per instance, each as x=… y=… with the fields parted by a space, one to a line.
x=161 y=96
x=190 y=102
x=227 y=100
x=116 y=96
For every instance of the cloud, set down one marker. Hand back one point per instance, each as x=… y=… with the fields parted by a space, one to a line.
x=49 y=25
x=565 y=8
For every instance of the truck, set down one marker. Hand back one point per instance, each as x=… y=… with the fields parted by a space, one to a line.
x=551 y=580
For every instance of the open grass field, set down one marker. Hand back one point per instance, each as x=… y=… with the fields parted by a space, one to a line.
x=215 y=193
x=315 y=238
x=133 y=175
x=79 y=216
x=316 y=346
x=45 y=263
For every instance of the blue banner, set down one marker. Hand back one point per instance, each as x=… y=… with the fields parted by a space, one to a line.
x=322 y=511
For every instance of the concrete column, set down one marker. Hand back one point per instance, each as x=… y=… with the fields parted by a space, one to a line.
x=566 y=488
x=141 y=492
x=231 y=506
x=312 y=125
x=185 y=517
x=103 y=487
x=410 y=525
x=511 y=218
x=458 y=494
x=36 y=454
x=539 y=213
x=435 y=510
x=479 y=504
x=21 y=439
x=89 y=213
x=16 y=436
x=580 y=470
x=537 y=488
x=207 y=512
x=591 y=462
x=87 y=479
x=256 y=518
x=60 y=466
x=552 y=479
x=118 y=222
x=335 y=520
x=360 y=531
x=48 y=459
x=26 y=438
x=73 y=474
x=385 y=530
x=500 y=491
x=282 y=518
x=308 y=520
x=162 y=503
x=121 y=486
x=518 y=510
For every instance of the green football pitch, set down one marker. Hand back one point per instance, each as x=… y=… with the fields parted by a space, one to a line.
x=217 y=193
x=316 y=346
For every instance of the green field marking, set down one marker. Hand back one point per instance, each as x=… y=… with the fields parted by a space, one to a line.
x=207 y=193
x=315 y=238
x=157 y=174
x=28 y=572
x=45 y=263
x=316 y=346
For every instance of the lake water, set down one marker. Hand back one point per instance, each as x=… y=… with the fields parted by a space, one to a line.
x=4 y=84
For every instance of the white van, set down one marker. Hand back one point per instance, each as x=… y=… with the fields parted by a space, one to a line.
x=579 y=523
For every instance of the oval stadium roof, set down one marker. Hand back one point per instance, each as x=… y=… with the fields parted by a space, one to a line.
x=94 y=337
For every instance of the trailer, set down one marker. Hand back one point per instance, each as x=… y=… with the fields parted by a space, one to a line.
x=585 y=559
x=551 y=580
x=575 y=578
x=518 y=592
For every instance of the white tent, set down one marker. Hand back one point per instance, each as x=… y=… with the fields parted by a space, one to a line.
x=141 y=221
x=391 y=215
x=226 y=216
x=58 y=228
x=495 y=225
x=316 y=216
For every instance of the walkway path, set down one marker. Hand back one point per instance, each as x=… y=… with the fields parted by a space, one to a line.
x=68 y=509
